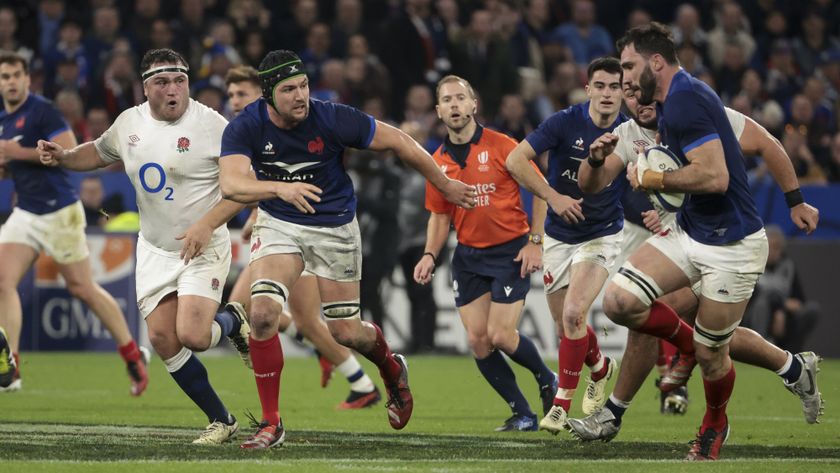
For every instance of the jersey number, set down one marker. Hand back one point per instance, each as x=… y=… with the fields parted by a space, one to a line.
x=161 y=185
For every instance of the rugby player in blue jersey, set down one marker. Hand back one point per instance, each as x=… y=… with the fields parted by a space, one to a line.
x=718 y=240
x=583 y=232
x=306 y=220
x=48 y=217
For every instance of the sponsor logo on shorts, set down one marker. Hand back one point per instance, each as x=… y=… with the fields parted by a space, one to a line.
x=665 y=232
x=601 y=258
x=508 y=290
x=722 y=291
x=256 y=245
x=214 y=284
x=348 y=271
x=183 y=144
x=547 y=278
x=455 y=288
x=133 y=139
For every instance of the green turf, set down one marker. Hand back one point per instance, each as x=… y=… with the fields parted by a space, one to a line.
x=75 y=414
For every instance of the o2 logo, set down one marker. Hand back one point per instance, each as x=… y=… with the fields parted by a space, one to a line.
x=161 y=182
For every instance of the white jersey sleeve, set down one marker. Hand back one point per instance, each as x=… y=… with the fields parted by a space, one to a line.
x=738 y=121
x=108 y=145
x=630 y=138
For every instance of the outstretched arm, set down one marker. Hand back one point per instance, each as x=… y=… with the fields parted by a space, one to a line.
x=756 y=140
x=387 y=137
x=602 y=166
x=64 y=152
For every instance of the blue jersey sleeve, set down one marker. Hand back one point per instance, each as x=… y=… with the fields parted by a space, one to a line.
x=51 y=121
x=549 y=134
x=237 y=137
x=689 y=121
x=353 y=127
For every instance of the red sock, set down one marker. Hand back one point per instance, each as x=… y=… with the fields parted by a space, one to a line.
x=664 y=323
x=382 y=357
x=593 y=355
x=718 y=393
x=571 y=355
x=129 y=352
x=667 y=351
x=267 y=357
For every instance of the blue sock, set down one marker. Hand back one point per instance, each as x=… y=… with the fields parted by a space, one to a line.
x=527 y=355
x=498 y=373
x=791 y=375
x=617 y=410
x=228 y=322
x=193 y=380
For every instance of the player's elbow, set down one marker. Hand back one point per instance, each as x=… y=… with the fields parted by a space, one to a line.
x=227 y=189
x=512 y=162
x=719 y=182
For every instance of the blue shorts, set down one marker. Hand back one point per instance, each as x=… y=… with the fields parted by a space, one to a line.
x=477 y=271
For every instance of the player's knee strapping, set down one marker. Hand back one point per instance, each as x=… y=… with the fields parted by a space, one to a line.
x=637 y=283
x=342 y=309
x=178 y=361
x=274 y=290
x=714 y=338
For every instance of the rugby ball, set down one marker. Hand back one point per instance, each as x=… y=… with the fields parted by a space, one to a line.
x=661 y=159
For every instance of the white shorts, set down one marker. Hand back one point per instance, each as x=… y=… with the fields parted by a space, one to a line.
x=727 y=273
x=558 y=258
x=60 y=234
x=160 y=273
x=634 y=237
x=333 y=253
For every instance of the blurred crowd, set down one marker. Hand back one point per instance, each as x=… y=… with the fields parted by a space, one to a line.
x=774 y=60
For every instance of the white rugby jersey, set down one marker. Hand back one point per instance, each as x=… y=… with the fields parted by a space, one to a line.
x=174 y=167
x=631 y=136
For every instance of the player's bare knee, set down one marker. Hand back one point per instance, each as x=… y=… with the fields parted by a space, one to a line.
x=343 y=334
x=83 y=291
x=480 y=344
x=195 y=341
x=165 y=343
x=501 y=337
x=620 y=306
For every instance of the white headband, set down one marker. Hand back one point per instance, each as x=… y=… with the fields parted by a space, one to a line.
x=161 y=69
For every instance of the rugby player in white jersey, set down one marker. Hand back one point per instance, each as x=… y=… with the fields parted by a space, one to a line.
x=303 y=321
x=747 y=346
x=170 y=146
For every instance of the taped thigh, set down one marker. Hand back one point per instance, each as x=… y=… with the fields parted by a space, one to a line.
x=714 y=338
x=274 y=290
x=637 y=283
x=340 y=310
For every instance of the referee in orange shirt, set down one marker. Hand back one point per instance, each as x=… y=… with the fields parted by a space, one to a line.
x=496 y=252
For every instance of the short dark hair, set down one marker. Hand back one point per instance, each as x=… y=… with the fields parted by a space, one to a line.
x=653 y=38
x=242 y=73
x=608 y=64
x=164 y=55
x=11 y=57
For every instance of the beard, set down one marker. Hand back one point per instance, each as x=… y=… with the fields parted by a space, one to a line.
x=647 y=86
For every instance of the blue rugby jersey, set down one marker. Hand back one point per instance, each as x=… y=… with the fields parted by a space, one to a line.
x=692 y=115
x=567 y=135
x=312 y=152
x=40 y=189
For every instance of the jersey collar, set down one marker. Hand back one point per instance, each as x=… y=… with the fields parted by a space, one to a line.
x=476 y=137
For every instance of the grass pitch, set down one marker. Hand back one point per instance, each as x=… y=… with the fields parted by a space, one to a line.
x=75 y=415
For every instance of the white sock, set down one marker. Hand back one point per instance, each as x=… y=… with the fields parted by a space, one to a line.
x=215 y=334
x=786 y=366
x=619 y=403
x=597 y=366
x=178 y=361
x=351 y=368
